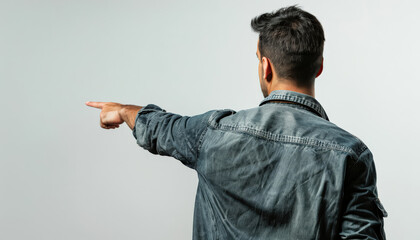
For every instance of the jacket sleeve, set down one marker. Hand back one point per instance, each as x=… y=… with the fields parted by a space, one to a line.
x=363 y=213
x=170 y=134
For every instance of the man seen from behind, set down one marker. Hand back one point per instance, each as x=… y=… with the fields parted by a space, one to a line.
x=280 y=170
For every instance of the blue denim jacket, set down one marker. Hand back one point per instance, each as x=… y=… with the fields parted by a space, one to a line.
x=277 y=171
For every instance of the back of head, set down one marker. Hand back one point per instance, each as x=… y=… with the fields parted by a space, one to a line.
x=293 y=40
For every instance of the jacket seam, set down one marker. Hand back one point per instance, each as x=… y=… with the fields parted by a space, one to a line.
x=200 y=141
x=283 y=138
x=189 y=145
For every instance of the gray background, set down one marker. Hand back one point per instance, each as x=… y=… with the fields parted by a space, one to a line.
x=63 y=177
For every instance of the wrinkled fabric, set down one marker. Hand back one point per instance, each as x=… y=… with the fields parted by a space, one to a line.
x=277 y=171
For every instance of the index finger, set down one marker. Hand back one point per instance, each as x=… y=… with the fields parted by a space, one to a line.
x=95 y=104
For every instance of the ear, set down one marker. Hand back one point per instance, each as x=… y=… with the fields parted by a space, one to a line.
x=267 y=69
x=321 y=68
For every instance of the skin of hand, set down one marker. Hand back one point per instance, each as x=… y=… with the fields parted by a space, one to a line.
x=114 y=114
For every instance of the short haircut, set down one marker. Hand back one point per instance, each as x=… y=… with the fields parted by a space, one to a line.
x=293 y=40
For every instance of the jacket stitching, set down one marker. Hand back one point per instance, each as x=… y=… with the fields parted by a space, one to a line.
x=283 y=138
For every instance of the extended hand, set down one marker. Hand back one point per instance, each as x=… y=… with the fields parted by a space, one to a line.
x=110 y=117
x=114 y=114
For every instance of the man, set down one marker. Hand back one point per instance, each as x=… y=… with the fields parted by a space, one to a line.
x=277 y=171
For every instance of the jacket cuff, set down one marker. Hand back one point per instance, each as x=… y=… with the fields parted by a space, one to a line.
x=147 y=109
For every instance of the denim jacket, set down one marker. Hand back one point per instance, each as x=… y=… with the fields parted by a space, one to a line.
x=277 y=171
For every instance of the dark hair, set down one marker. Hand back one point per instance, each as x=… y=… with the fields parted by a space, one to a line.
x=293 y=40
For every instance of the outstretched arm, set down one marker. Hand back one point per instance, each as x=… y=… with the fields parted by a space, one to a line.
x=114 y=114
x=156 y=130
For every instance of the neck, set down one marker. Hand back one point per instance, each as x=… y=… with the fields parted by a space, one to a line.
x=287 y=85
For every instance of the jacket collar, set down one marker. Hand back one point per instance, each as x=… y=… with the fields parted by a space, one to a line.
x=299 y=98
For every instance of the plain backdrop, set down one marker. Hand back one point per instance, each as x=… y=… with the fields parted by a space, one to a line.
x=64 y=177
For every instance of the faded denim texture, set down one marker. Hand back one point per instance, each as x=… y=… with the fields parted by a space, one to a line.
x=277 y=171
